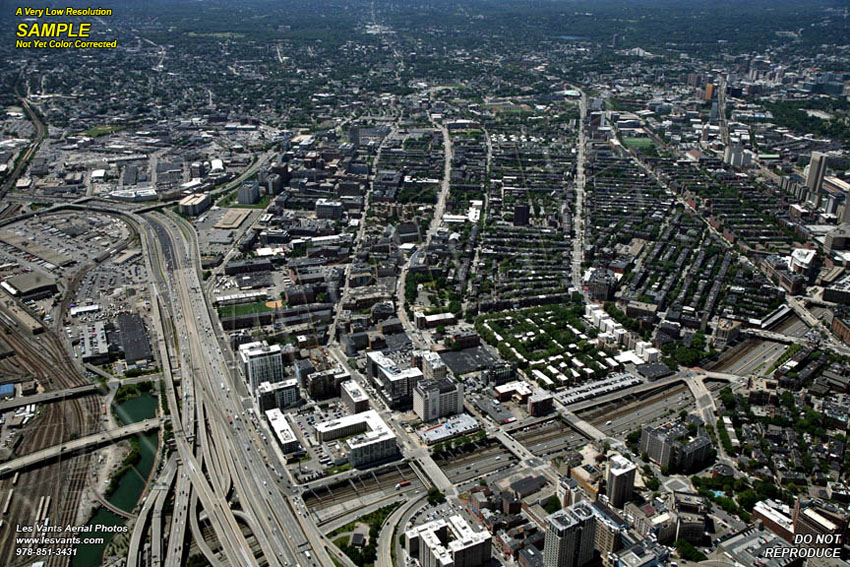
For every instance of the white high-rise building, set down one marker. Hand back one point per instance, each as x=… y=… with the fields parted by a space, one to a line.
x=433 y=399
x=817 y=171
x=621 y=480
x=569 y=537
x=261 y=362
x=433 y=366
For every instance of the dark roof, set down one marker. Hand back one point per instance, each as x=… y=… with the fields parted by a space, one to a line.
x=253 y=263
x=654 y=371
x=443 y=386
x=134 y=339
x=531 y=556
x=467 y=360
x=528 y=485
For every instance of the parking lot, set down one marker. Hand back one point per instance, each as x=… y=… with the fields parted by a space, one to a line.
x=322 y=456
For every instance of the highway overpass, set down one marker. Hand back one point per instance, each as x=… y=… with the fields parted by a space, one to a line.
x=83 y=443
x=7 y=405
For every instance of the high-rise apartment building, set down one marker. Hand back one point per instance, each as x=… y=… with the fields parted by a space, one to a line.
x=621 y=480
x=433 y=399
x=261 y=362
x=569 y=537
x=817 y=171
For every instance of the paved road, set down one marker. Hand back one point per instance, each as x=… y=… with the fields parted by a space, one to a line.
x=436 y=221
x=137 y=537
x=578 y=216
x=773 y=336
x=23 y=161
x=397 y=520
x=6 y=405
x=162 y=257
x=232 y=453
x=96 y=440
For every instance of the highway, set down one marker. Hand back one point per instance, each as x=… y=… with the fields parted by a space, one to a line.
x=25 y=157
x=161 y=490
x=578 y=216
x=397 y=521
x=218 y=458
x=139 y=529
x=758 y=355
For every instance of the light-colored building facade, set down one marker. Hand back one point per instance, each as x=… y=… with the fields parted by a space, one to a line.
x=433 y=367
x=433 y=399
x=261 y=362
x=278 y=394
x=283 y=431
x=621 y=480
x=569 y=537
x=193 y=205
x=449 y=543
x=372 y=440
x=354 y=397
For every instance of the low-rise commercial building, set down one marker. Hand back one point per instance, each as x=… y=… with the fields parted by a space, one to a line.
x=424 y=321
x=283 y=431
x=354 y=397
x=454 y=427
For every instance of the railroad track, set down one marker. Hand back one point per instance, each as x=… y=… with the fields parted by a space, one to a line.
x=366 y=486
x=539 y=441
x=466 y=466
x=614 y=410
x=45 y=358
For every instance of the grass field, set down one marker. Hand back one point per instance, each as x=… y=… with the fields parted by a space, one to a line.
x=231 y=201
x=244 y=309
x=639 y=143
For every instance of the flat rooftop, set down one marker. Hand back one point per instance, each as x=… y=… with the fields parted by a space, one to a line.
x=30 y=247
x=354 y=390
x=281 y=427
x=374 y=426
x=233 y=218
x=32 y=282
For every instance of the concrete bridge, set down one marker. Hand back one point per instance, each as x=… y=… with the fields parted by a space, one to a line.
x=83 y=443
x=777 y=337
x=7 y=405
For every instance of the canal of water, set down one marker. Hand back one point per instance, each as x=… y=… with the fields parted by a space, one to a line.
x=130 y=485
